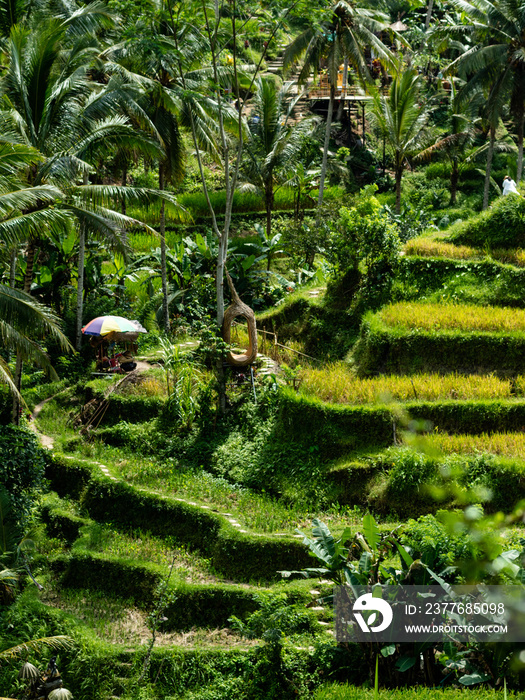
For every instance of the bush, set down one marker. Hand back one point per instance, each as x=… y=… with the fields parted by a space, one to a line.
x=22 y=468
x=398 y=481
x=275 y=612
x=504 y=479
x=429 y=540
x=363 y=237
x=501 y=226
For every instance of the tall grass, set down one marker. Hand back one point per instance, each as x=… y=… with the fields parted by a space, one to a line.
x=255 y=511
x=337 y=384
x=143 y=242
x=426 y=247
x=350 y=692
x=502 y=444
x=143 y=547
x=112 y=619
x=291 y=352
x=196 y=205
x=464 y=317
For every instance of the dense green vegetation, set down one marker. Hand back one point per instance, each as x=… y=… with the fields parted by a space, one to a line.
x=342 y=163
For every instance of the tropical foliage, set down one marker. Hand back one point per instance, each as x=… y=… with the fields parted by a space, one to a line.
x=331 y=161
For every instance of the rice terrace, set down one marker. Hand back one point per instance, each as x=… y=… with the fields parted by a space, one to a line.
x=262 y=350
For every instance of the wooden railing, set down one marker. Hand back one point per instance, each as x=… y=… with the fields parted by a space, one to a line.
x=269 y=345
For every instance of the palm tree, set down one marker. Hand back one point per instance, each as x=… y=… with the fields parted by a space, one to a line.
x=401 y=121
x=454 y=145
x=23 y=322
x=50 y=102
x=167 y=102
x=171 y=169
x=36 y=646
x=497 y=59
x=274 y=141
x=29 y=672
x=24 y=211
x=342 y=35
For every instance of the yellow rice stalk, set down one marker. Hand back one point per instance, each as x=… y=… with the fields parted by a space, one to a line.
x=464 y=317
x=336 y=384
x=502 y=444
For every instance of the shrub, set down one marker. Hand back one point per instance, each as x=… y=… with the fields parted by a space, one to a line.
x=22 y=467
x=364 y=237
x=432 y=542
x=398 y=481
x=504 y=479
x=501 y=226
x=275 y=612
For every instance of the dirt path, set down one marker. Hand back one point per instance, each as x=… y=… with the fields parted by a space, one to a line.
x=45 y=440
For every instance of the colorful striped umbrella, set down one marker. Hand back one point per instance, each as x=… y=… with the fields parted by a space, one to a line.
x=102 y=325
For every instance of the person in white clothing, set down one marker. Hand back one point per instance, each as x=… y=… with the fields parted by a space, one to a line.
x=509 y=186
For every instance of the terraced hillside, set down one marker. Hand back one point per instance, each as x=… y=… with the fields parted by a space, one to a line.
x=185 y=534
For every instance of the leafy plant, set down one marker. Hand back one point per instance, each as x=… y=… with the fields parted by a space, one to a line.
x=274 y=613
x=183 y=384
x=357 y=560
x=21 y=469
x=363 y=240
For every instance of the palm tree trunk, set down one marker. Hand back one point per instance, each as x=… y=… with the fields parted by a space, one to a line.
x=28 y=280
x=80 y=285
x=454 y=177
x=490 y=153
x=268 y=203
x=324 y=164
x=430 y=5
x=520 y=145
x=163 y=265
x=124 y=184
x=12 y=279
x=80 y=278
x=399 y=175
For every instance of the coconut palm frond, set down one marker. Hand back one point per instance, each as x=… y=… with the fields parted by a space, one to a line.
x=18 y=227
x=19 y=199
x=36 y=646
x=21 y=313
x=7 y=378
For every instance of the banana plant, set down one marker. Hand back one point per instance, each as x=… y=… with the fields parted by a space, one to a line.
x=355 y=560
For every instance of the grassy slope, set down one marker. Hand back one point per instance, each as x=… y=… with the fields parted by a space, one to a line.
x=315 y=327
